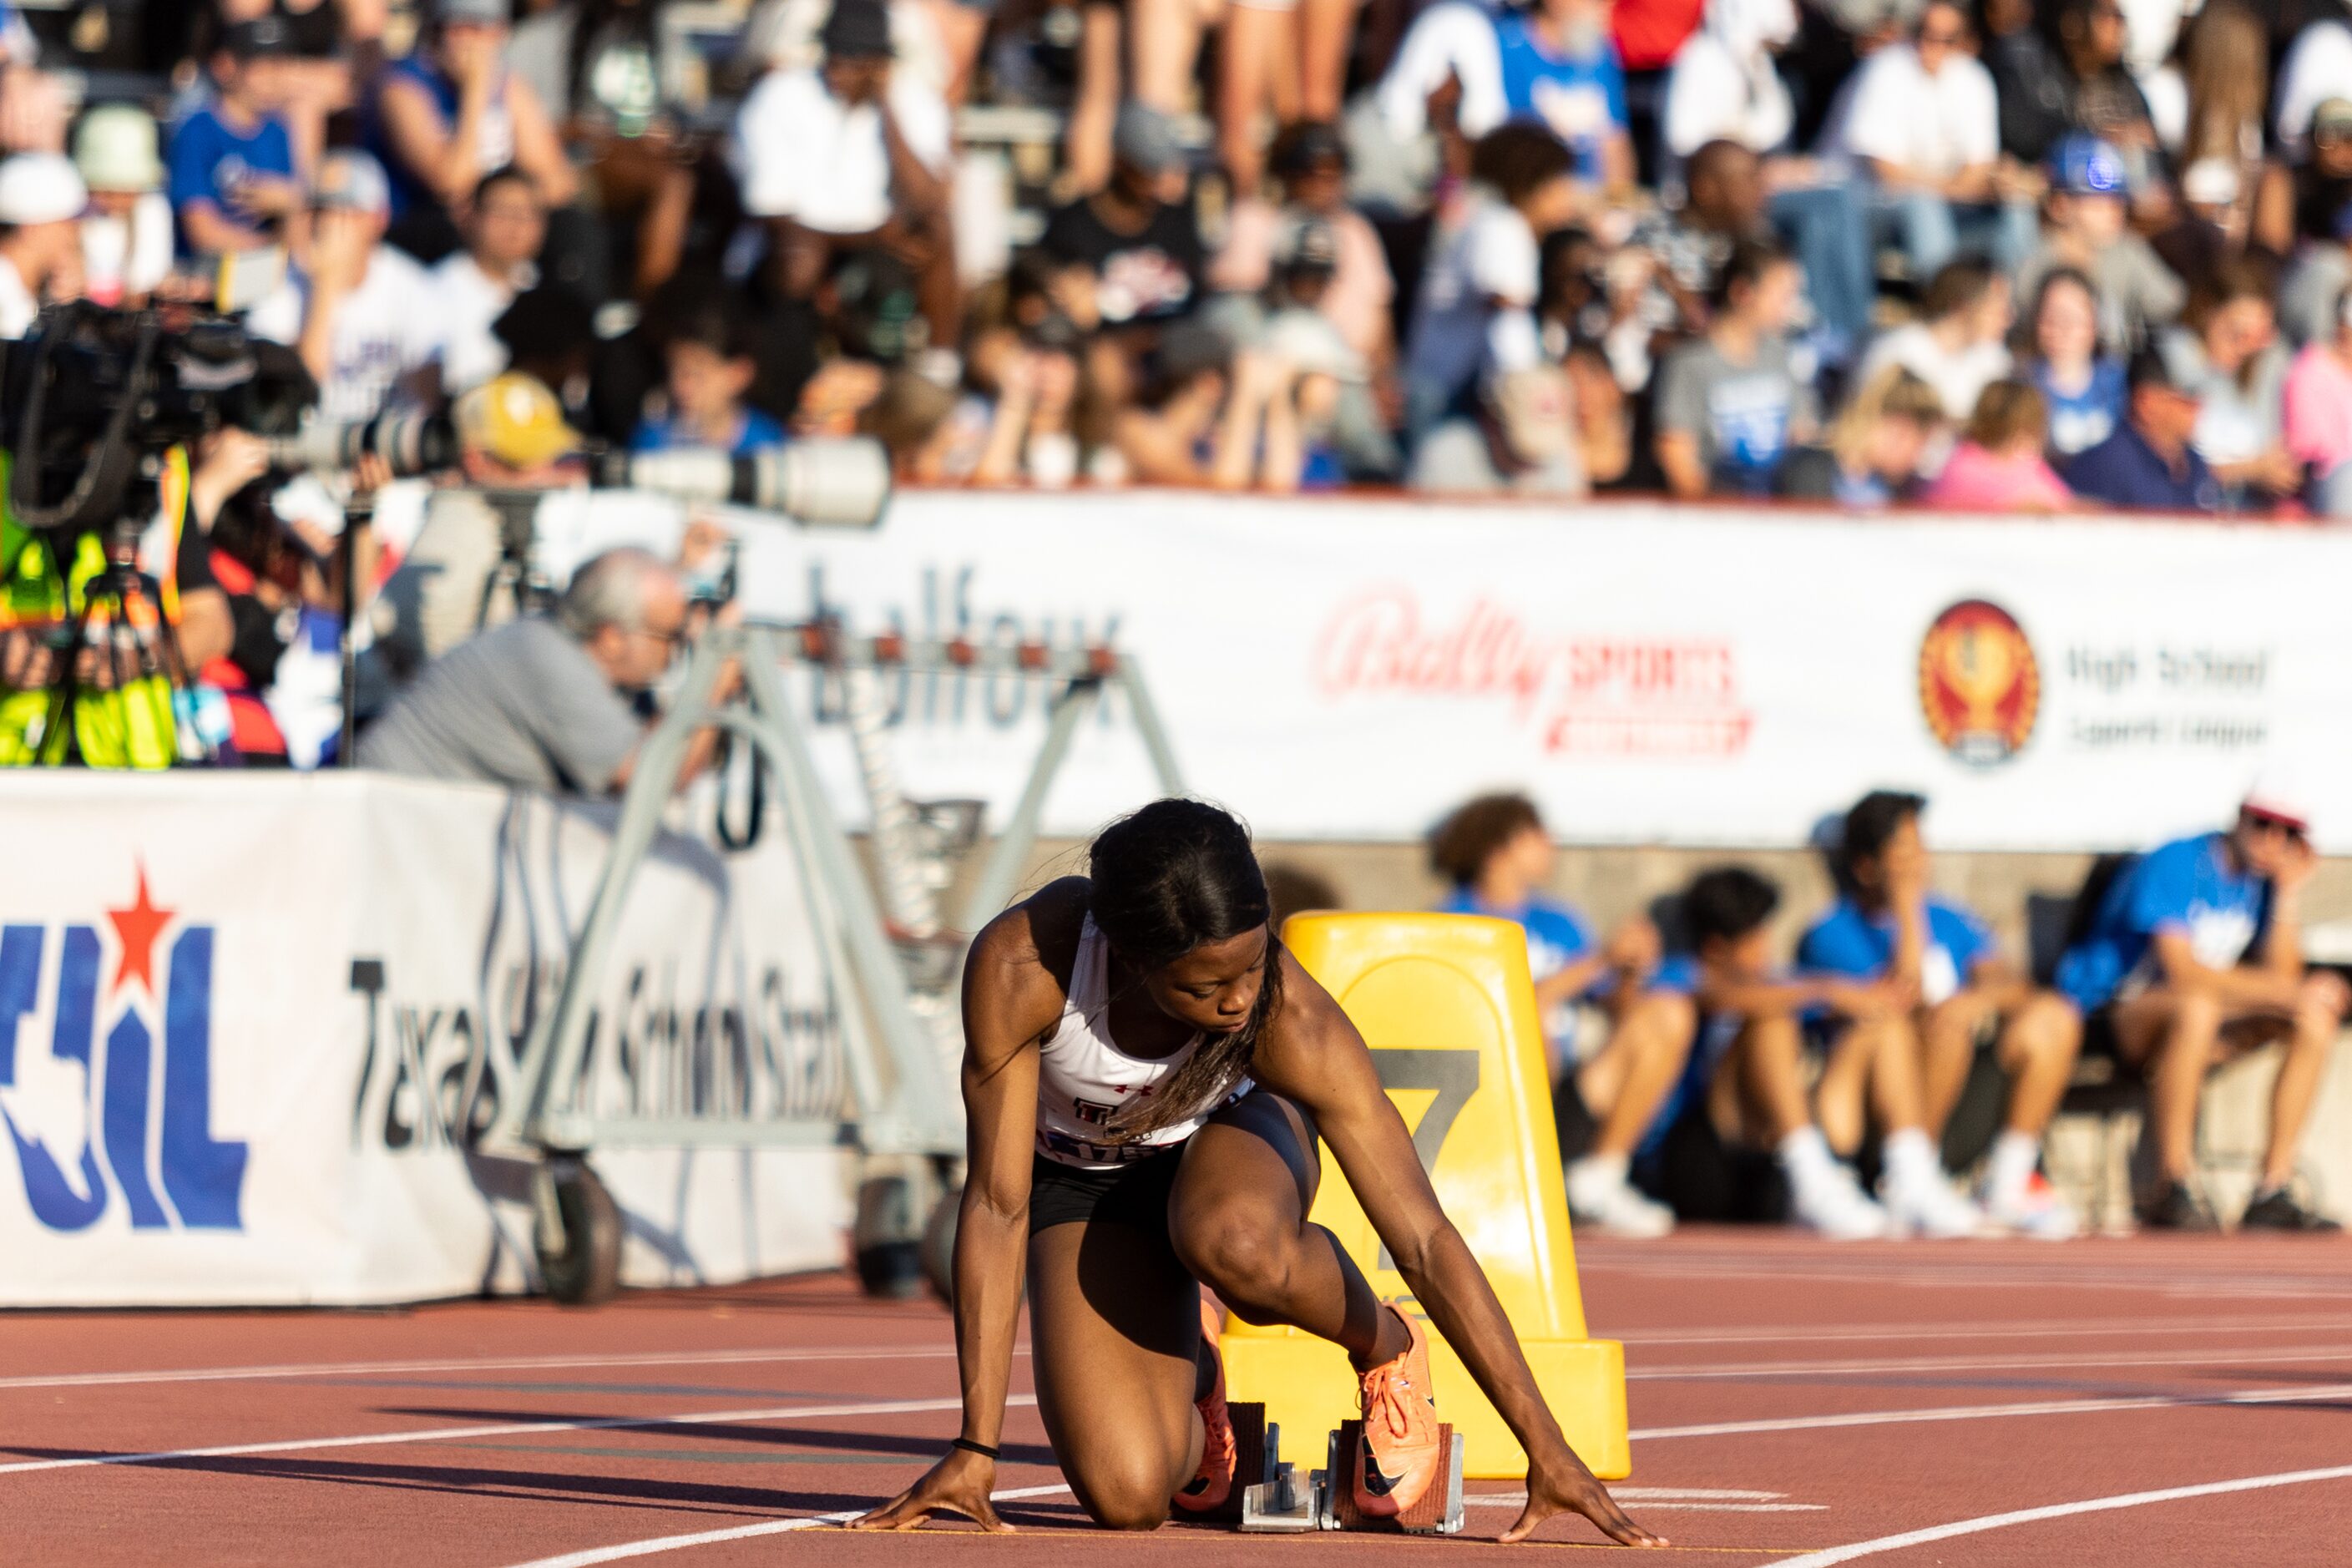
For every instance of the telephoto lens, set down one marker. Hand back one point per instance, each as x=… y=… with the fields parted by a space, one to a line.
x=841 y=482
x=409 y=443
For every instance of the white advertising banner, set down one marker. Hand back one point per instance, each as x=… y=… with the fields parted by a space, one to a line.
x=1703 y=676
x=251 y=1027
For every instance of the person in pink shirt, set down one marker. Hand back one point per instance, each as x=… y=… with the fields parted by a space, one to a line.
x=1999 y=464
x=2318 y=415
x=1311 y=161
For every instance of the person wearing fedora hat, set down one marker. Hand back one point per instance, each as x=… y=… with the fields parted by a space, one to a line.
x=852 y=154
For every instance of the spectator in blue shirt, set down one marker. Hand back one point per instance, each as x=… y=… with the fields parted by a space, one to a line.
x=2149 y=462
x=232 y=178
x=710 y=368
x=2194 y=955
x=2084 y=389
x=1747 y=1074
x=1886 y=925
x=1496 y=853
x=1559 y=68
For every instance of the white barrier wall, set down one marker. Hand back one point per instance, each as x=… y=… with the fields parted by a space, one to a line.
x=249 y=1024
x=1350 y=667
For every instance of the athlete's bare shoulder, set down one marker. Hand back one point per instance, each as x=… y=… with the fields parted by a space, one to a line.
x=1018 y=974
x=1307 y=1027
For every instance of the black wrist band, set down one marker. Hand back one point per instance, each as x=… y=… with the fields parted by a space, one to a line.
x=969 y=1447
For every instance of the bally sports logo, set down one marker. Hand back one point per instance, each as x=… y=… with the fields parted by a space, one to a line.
x=103 y=1114
x=1979 y=684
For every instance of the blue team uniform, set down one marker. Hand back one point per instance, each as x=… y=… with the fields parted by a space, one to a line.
x=210 y=158
x=1582 y=99
x=1848 y=940
x=2187 y=886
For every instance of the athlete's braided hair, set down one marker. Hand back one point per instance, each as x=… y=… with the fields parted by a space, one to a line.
x=1170 y=878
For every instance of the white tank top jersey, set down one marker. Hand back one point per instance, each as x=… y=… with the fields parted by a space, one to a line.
x=1083 y=1080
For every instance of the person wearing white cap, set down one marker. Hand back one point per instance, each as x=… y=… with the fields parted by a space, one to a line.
x=126 y=236
x=361 y=312
x=41 y=201
x=2192 y=956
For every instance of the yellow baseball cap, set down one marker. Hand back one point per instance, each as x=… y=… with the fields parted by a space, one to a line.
x=517 y=420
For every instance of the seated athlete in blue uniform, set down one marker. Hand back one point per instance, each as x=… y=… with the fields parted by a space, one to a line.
x=1886 y=925
x=1496 y=853
x=1748 y=1071
x=2195 y=955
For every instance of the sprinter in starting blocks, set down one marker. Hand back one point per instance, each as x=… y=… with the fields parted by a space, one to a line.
x=1150 y=1076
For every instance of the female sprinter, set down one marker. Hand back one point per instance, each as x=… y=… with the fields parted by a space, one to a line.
x=1145 y=1073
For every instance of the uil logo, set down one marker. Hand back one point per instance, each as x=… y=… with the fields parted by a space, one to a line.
x=1979 y=686
x=119 y=1107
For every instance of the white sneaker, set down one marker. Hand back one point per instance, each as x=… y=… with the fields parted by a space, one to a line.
x=1832 y=1204
x=1599 y=1195
x=2035 y=1210
x=1929 y=1207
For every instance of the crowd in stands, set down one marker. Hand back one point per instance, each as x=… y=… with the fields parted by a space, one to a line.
x=1700 y=1074
x=2027 y=255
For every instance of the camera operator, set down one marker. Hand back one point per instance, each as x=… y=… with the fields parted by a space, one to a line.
x=116 y=724
x=549 y=702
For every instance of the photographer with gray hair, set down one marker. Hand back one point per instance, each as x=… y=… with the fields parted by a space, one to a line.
x=549 y=702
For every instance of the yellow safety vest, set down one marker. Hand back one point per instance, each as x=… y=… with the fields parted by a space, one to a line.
x=129 y=727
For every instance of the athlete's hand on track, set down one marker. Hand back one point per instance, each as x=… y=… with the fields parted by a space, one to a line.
x=1565 y=1486
x=957 y=1484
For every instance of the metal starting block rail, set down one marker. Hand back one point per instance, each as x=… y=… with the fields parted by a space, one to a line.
x=1270 y=1498
x=895 y=969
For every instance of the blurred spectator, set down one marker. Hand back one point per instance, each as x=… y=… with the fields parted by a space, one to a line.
x=1131 y=252
x=1923 y=123
x=1958 y=346
x=2304 y=199
x=1310 y=161
x=603 y=69
x=2036 y=95
x=2227 y=353
x=2317 y=69
x=332 y=45
x=505 y=226
x=1750 y=1059
x=33 y=108
x=2089 y=230
x=2149 y=462
x=2225 y=54
x=1999 y=467
x=545 y=702
x=2106 y=102
x=1729 y=406
x=852 y=154
x=1887 y=925
x=360 y=311
x=2082 y=388
x=707 y=359
x=41 y=202
x=549 y=334
x=1725 y=92
x=1029 y=434
x=1476 y=312
x=1524 y=439
x=1496 y=858
x=2318 y=415
x=1559 y=68
x=235 y=183
x=452 y=112
x=1165 y=432
x=2194 y=956
x=1206 y=415
x=1876 y=446
x=126 y=235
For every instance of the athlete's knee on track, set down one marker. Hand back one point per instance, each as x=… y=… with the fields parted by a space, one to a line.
x=1125 y=1494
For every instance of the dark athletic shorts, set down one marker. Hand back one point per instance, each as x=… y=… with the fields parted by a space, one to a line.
x=1134 y=1194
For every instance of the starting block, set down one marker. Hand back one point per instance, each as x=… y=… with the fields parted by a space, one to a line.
x=1439 y=1511
x=1448 y=1008
x=1272 y=1498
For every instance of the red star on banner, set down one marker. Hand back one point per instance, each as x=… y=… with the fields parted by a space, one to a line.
x=136 y=929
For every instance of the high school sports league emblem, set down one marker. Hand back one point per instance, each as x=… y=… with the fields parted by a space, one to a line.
x=1979 y=685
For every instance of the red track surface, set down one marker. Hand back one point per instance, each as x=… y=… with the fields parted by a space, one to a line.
x=1867 y=1391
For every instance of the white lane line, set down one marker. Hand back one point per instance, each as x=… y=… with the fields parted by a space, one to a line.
x=596 y=1554
x=1993 y=1412
x=501 y=1429
x=1662 y=1494
x=2222 y=1357
x=1860 y=1549
x=1518 y=1500
x=2047 y=1328
x=467 y=1364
